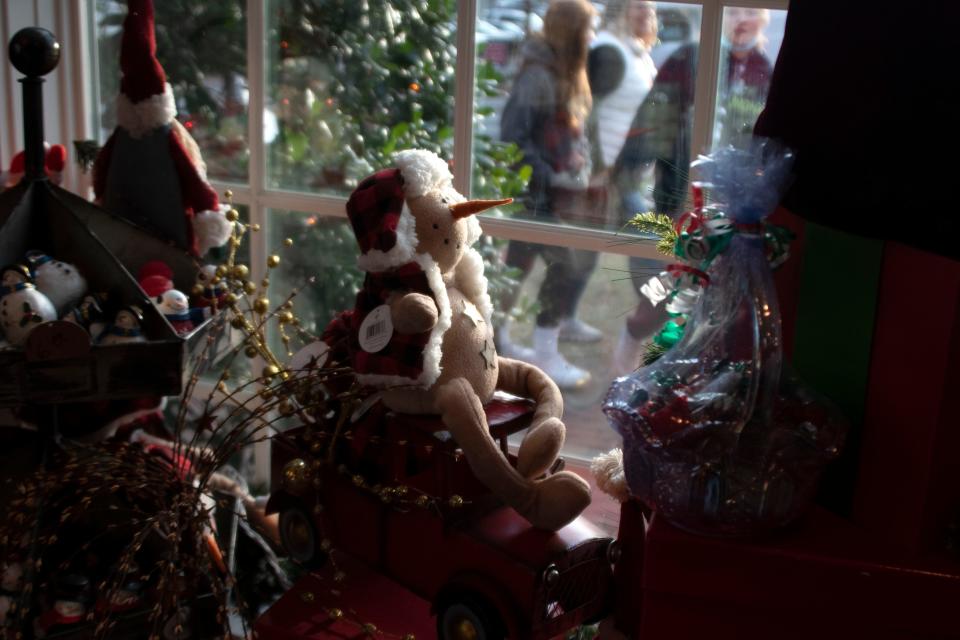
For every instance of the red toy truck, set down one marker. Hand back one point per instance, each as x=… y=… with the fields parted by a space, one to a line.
x=398 y=496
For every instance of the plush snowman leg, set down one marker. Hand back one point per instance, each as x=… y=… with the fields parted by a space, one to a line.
x=542 y=443
x=547 y=504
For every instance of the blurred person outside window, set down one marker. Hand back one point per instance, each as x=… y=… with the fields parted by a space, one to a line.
x=545 y=116
x=661 y=133
x=621 y=73
x=746 y=72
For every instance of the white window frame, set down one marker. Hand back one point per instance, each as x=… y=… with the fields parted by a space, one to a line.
x=258 y=198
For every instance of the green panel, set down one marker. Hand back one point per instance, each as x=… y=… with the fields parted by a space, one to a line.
x=834 y=337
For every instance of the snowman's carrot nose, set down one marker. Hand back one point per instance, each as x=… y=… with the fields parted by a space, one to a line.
x=470 y=207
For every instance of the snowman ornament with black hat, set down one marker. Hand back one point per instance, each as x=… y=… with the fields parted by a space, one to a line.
x=22 y=305
x=125 y=327
x=89 y=314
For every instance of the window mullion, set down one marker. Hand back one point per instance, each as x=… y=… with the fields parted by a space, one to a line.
x=256 y=36
x=256 y=81
x=572 y=237
x=463 y=96
x=705 y=90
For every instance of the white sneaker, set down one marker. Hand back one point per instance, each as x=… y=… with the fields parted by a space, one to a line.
x=510 y=349
x=628 y=354
x=576 y=330
x=547 y=357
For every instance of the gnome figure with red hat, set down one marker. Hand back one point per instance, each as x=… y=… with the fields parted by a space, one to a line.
x=150 y=170
x=421 y=333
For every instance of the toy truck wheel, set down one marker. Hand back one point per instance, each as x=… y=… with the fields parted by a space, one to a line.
x=468 y=618
x=298 y=533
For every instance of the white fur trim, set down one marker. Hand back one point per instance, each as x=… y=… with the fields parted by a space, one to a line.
x=607 y=469
x=401 y=253
x=423 y=171
x=433 y=350
x=145 y=116
x=212 y=229
x=473 y=230
x=473 y=283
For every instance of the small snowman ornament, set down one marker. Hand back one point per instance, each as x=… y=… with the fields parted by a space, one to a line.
x=89 y=314
x=60 y=281
x=209 y=290
x=22 y=306
x=125 y=327
x=69 y=607
x=175 y=307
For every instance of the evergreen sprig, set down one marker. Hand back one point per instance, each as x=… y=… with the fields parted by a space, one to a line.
x=653 y=352
x=659 y=225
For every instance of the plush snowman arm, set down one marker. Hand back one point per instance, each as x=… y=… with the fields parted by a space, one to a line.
x=101 y=167
x=413 y=312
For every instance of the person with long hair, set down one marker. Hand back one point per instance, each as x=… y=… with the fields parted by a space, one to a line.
x=545 y=116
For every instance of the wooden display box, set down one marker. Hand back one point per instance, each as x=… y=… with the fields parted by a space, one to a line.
x=107 y=250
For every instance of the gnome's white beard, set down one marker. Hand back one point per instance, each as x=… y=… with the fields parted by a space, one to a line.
x=143 y=117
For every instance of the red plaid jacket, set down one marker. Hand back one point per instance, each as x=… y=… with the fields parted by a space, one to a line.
x=403 y=355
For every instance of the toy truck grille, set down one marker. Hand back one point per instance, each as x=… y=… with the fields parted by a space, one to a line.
x=577 y=587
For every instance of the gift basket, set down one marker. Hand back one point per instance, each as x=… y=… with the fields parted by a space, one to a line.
x=718 y=436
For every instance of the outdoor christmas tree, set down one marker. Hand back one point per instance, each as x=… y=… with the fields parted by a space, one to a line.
x=347 y=84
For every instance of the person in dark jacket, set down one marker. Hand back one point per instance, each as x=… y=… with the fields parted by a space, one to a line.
x=545 y=116
x=661 y=134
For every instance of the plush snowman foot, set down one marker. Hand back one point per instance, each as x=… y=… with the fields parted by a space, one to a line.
x=546 y=504
x=540 y=448
x=560 y=498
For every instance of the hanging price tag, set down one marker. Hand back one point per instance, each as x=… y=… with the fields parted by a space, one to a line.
x=376 y=329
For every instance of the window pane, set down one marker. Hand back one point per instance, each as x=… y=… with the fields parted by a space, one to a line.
x=748 y=48
x=206 y=66
x=324 y=249
x=570 y=316
x=349 y=82
x=590 y=137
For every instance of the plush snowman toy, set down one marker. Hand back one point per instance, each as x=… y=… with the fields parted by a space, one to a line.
x=22 y=306
x=61 y=282
x=175 y=307
x=125 y=327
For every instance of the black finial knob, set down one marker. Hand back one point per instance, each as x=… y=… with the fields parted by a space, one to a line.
x=34 y=51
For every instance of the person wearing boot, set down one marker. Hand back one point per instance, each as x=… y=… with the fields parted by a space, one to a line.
x=545 y=116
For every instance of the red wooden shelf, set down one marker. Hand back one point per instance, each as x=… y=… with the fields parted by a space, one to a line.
x=826 y=578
